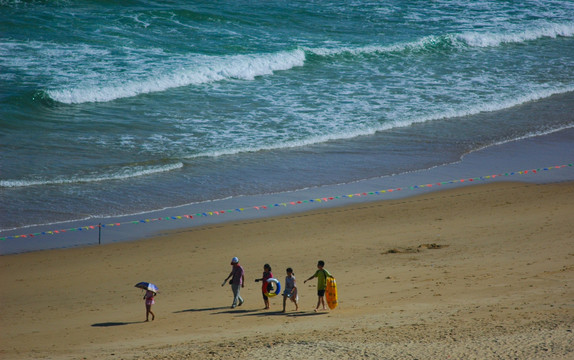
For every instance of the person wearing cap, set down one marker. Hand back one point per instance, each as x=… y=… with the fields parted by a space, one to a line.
x=237 y=276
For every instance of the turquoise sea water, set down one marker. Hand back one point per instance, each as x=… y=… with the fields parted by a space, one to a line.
x=109 y=109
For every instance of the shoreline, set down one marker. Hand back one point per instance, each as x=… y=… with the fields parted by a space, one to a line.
x=547 y=150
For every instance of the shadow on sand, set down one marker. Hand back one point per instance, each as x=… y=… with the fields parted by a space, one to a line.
x=218 y=310
x=204 y=309
x=242 y=312
x=288 y=314
x=111 y=323
x=235 y=311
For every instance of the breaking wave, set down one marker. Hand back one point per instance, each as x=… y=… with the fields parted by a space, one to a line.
x=207 y=69
x=121 y=174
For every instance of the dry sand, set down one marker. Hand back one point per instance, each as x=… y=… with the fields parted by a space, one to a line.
x=477 y=272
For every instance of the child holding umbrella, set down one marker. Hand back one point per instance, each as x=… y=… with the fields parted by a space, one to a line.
x=150 y=293
x=149 y=301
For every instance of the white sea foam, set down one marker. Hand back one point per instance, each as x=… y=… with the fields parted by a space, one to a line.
x=123 y=173
x=420 y=44
x=204 y=70
x=472 y=39
x=550 y=30
x=195 y=70
x=350 y=133
x=502 y=104
x=524 y=137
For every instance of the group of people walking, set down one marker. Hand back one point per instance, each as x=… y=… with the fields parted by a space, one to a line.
x=236 y=279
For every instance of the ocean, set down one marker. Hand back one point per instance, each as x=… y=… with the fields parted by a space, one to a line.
x=113 y=108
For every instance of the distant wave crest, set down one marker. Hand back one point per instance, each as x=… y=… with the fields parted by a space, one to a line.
x=210 y=69
x=123 y=173
x=495 y=39
x=201 y=70
x=426 y=43
x=454 y=41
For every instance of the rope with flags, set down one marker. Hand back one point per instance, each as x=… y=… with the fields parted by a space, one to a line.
x=283 y=204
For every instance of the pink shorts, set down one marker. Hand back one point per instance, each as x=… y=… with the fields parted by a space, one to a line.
x=149 y=302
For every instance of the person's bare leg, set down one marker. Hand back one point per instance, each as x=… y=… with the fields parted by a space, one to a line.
x=147 y=312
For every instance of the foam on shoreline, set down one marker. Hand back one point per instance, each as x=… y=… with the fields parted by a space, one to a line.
x=544 y=151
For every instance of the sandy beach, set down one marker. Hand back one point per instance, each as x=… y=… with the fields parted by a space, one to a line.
x=476 y=272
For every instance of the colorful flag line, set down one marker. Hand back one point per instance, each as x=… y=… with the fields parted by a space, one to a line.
x=284 y=204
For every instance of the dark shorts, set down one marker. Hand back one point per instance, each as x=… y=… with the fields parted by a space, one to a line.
x=320 y=293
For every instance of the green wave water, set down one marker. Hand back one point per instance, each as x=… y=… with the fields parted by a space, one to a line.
x=109 y=109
